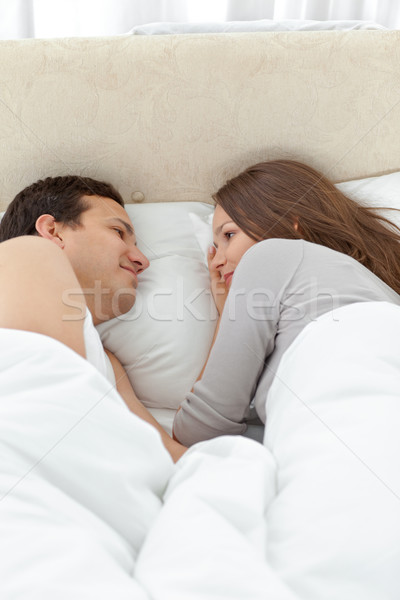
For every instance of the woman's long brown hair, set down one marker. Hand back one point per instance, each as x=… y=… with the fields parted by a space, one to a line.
x=267 y=199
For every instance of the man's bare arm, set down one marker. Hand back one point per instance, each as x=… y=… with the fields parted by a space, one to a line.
x=125 y=390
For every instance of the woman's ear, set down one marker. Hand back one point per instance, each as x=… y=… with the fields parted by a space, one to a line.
x=50 y=229
x=297 y=227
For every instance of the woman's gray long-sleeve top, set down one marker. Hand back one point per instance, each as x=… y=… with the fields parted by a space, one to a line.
x=278 y=288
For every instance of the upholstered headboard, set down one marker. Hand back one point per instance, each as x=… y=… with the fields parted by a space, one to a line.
x=169 y=118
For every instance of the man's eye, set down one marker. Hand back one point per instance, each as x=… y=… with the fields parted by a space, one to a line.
x=119 y=231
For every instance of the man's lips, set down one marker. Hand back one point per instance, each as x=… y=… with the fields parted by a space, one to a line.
x=131 y=270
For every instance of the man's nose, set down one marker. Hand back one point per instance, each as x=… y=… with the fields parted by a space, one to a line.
x=139 y=259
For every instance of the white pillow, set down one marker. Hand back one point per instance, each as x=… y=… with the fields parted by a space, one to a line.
x=383 y=191
x=203 y=231
x=164 y=340
x=249 y=26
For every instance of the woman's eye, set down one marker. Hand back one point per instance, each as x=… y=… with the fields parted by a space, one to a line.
x=228 y=234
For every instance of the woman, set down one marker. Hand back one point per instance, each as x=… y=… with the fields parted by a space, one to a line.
x=290 y=248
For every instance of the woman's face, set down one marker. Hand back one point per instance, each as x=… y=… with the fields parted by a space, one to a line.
x=230 y=243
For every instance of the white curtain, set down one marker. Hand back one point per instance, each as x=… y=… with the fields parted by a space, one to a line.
x=55 y=18
x=384 y=12
x=58 y=18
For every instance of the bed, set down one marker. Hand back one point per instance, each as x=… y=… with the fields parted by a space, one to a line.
x=91 y=504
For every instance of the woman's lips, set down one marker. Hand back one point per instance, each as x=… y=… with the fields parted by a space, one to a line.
x=228 y=278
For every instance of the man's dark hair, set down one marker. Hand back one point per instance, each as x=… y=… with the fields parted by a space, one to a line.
x=61 y=197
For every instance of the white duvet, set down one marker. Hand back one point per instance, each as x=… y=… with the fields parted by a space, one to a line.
x=91 y=506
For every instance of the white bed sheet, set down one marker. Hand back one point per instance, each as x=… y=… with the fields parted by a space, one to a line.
x=333 y=427
x=93 y=507
x=81 y=479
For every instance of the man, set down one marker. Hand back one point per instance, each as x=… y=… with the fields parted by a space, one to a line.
x=86 y=219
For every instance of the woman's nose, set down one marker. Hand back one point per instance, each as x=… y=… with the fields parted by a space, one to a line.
x=219 y=259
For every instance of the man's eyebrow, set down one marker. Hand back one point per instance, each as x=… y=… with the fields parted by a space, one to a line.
x=128 y=228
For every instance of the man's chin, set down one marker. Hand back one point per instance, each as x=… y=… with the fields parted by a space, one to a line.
x=120 y=304
x=123 y=302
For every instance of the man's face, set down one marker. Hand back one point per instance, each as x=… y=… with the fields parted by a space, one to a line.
x=104 y=256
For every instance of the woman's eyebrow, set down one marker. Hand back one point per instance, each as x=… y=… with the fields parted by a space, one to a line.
x=218 y=230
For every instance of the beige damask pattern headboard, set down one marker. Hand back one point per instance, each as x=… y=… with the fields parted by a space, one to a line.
x=171 y=117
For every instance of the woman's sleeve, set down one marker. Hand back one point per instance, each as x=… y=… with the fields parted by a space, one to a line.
x=220 y=401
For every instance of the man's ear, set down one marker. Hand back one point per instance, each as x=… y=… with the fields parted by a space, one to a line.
x=50 y=229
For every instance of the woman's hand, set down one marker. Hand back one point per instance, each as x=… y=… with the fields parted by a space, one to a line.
x=218 y=286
